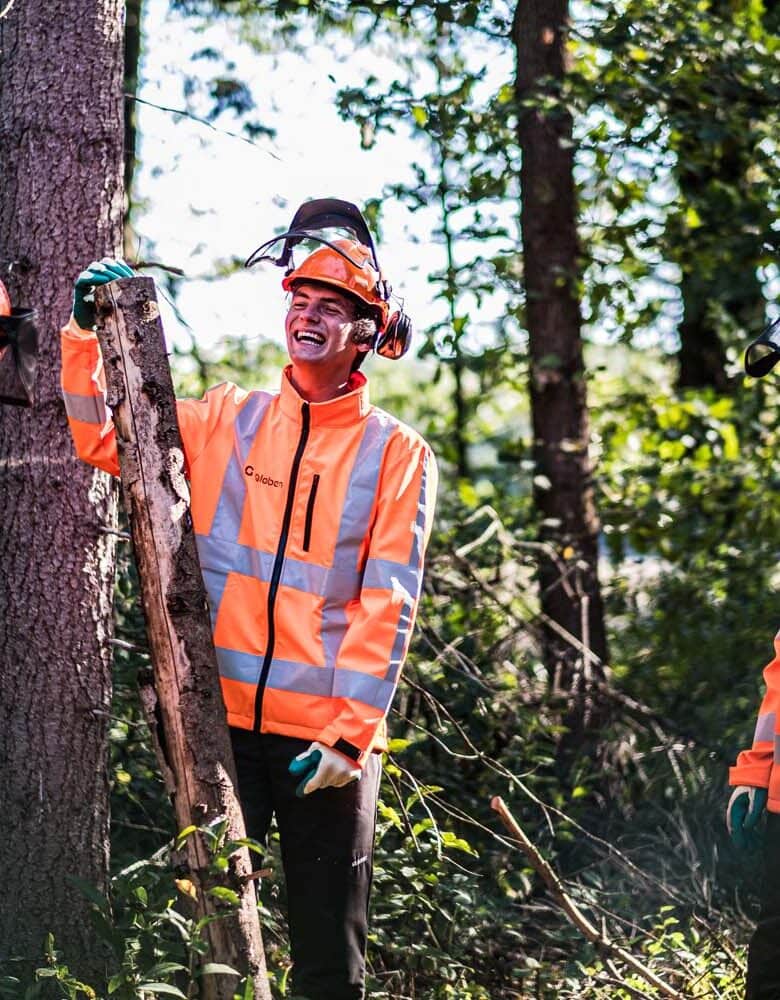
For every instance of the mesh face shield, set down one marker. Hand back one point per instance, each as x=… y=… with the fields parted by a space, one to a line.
x=18 y=353
x=764 y=353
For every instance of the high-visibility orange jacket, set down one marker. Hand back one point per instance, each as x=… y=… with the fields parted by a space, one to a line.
x=311 y=521
x=760 y=766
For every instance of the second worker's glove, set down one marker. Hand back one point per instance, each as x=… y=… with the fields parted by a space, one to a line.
x=99 y=272
x=743 y=813
x=322 y=767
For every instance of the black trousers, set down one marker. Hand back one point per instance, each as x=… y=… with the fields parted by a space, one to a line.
x=763 y=975
x=327 y=842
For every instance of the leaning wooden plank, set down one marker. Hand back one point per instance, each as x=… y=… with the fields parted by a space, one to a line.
x=193 y=735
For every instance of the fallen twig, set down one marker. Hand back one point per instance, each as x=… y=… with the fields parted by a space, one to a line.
x=599 y=938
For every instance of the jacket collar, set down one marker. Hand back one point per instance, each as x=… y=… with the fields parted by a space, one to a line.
x=342 y=411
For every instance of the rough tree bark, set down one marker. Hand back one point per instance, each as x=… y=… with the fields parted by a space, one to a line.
x=60 y=206
x=570 y=593
x=193 y=741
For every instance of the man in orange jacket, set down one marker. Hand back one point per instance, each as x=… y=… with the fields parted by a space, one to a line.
x=312 y=510
x=756 y=782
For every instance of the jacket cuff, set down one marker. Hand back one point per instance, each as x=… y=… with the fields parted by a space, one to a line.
x=753 y=775
x=72 y=329
x=332 y=739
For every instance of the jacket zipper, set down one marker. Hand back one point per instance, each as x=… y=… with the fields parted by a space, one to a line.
x=278 y=562
x=310 y=512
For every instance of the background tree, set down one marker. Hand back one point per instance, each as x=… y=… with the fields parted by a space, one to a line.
x=462 y=181
x=570 y=595
x=60 y=206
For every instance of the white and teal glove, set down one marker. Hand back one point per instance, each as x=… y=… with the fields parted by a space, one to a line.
x=743 y=813
x=322 y=767
x=99 y=272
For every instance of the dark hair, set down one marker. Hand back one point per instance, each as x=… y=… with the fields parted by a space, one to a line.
x=364 y=331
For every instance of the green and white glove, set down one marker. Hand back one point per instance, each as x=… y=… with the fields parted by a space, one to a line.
x=743 y=813
x=99 y=272
x=322 y=767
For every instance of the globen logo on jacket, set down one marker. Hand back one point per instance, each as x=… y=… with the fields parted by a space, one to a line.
x=262 y=478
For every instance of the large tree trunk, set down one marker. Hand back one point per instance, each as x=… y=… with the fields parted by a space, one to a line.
x=60 y=206
x=574 y=636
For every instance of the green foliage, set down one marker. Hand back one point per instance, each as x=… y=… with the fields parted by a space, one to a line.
x=676 y=149
x=52 y=978
x=687 y=486
x=677 y=105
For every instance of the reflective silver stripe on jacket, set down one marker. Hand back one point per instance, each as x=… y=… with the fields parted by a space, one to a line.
x=765 y=728
x=89 y=409
x=306 y=678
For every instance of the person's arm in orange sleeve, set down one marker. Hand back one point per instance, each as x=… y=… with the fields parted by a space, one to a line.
x=753 y=765
x=84 y=392
x=750 y=776
x=377 y=639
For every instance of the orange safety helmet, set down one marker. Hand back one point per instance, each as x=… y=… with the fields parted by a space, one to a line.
x=350 y=265
x=347 y=266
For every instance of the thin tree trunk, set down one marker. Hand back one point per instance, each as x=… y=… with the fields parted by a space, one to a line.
x=132 y=63
x=719 y=258
x=197 y=759
x=714 y=281
x=458 y=361
x=60 y=206
x=570 y=593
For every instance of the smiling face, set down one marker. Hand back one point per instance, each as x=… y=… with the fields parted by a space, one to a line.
x=319 y=328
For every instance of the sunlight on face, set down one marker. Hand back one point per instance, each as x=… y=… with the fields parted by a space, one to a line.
x=318 y=328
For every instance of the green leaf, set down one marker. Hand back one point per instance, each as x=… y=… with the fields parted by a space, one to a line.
x=730 y=442
x=228 y=895
x=166 y=988
x=390 y=814
x=420 y=115
x=248 y=992
x=165 y=969
x=449 y=839
x=397 y=745
x=183 y=834
x=692 y=218
x=218 y=969
x=115 y=982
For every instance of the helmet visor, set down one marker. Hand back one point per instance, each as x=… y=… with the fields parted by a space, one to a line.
x=764 y=353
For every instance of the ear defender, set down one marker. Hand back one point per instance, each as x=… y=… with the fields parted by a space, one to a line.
x=394 y=341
